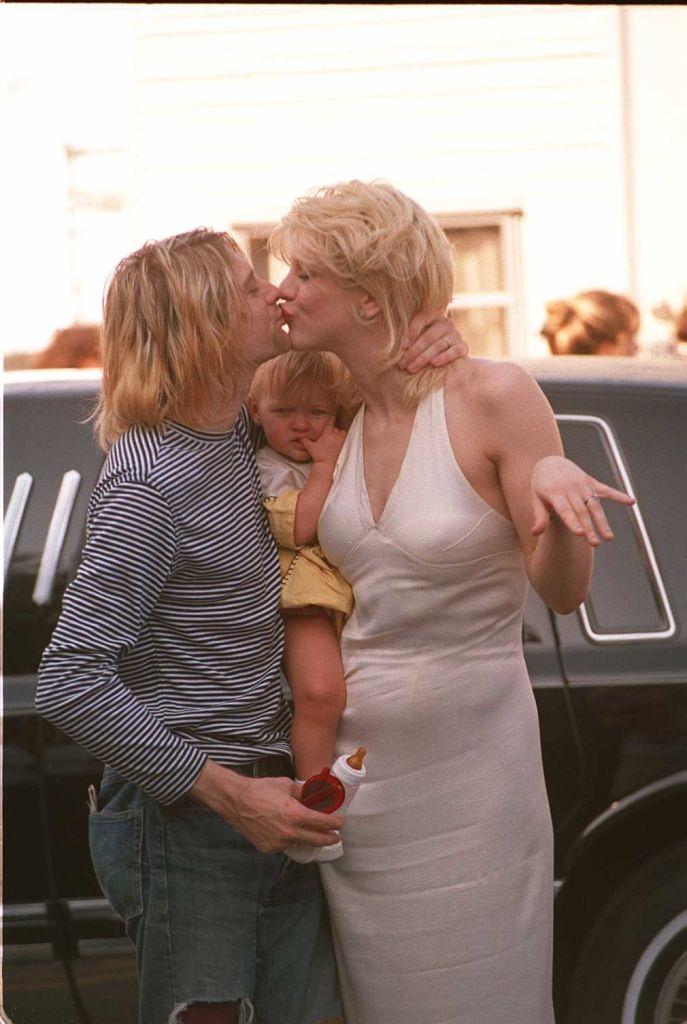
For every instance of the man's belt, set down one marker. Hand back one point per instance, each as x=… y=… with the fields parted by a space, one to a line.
x=269 y=766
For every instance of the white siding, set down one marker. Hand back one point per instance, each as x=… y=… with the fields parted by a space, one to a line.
x=222 y=114
x=657 y=42
x=65 y=89
x=240 y=108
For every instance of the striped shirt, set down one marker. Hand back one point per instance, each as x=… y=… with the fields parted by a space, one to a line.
x=169 y=646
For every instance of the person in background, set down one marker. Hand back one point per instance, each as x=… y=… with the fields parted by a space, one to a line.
x=77 y=346
x=594 y=323
x=681 y=331
x=681 y=325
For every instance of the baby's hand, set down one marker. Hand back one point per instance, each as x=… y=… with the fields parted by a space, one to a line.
x=328 y=445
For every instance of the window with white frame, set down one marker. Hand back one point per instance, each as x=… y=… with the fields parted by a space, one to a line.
x=487 y=282
x=487 y=301
x=254 y=239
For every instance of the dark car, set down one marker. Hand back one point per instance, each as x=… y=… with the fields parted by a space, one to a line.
x=610 y=682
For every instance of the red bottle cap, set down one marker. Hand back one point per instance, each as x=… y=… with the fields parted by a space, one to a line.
x=323 y=792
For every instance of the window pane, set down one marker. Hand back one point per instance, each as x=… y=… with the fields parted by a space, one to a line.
x=623 y=596
x=257 y=251
x=277 y=270
x=484 y=331
x=477 y=259
x=264 y=263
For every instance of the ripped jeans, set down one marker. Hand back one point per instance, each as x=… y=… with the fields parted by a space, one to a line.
x=212 y=918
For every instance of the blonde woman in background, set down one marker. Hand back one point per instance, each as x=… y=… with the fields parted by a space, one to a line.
x=440 y=513
x=594 y=323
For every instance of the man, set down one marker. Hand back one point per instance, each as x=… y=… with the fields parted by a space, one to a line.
x=166 y=660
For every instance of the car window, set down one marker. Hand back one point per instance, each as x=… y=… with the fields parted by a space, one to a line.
x=627 y=600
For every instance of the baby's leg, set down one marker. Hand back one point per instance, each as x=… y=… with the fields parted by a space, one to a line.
x=312 y=663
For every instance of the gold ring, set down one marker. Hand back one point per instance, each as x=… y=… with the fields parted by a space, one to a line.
x=592 y=497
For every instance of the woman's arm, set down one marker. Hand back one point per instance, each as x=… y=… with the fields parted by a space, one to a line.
x=549 y=498
x=324 y=452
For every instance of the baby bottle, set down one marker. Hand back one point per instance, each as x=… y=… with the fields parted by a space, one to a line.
x=329 y=791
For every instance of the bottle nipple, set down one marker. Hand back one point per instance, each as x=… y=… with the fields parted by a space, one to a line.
x=356 y=760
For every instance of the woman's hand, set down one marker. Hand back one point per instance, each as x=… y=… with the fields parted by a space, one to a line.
x=560 y=487
x=433 y=340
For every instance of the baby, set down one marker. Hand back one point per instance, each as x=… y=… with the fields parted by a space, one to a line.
x=296 y=398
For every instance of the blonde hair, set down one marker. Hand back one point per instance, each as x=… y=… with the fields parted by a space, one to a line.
x=373 y=236
x=295 y=375
x=172 y=314
x=579 y=326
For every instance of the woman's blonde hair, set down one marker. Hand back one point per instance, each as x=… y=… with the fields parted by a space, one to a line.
x=296 y=375
x=172 y=314
x=373 y=236
x=579 y=326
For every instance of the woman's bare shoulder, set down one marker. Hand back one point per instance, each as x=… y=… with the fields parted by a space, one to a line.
x=490 y=383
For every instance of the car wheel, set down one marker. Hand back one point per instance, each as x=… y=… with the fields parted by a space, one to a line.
x=633 y=967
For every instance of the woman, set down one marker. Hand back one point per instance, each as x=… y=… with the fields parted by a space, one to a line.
x=451 y=491
x=595 y=323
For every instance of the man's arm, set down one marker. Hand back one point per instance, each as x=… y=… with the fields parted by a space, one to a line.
x=127 y=558
x=126 y=561
x=265 y=811
x=433 y=340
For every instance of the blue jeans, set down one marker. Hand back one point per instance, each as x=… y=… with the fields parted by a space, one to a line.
x=212 y=918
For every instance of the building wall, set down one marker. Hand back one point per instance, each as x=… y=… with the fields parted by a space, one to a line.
x=125 y=122
x=241 y=108
x=66 y=83
x=656 y=42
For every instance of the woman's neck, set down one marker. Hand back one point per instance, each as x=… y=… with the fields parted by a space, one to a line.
x=382 y=388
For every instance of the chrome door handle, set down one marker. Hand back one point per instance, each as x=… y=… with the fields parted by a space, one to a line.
x=14 y=516
x=50 y=559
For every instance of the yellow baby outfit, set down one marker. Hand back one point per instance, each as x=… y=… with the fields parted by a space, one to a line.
x=307 y=578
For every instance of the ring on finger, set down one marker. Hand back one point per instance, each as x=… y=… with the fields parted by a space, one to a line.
x=592 y=497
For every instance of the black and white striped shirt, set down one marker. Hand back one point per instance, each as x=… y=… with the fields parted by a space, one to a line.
x=169 y=645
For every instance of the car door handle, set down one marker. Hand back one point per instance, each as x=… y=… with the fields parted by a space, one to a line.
x=50 y=559
x=14 y=516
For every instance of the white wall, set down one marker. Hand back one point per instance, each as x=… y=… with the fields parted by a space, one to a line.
x=65 y=81
x=241 y=108
x=222 y=114
x=657 y=43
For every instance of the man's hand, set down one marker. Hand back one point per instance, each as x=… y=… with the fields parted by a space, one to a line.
x=265 y=811
x=433 y=340
x=328 y=445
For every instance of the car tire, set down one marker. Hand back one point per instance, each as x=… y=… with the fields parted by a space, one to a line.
x=633 y=966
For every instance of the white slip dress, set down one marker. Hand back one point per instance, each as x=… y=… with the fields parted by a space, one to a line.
x=442 y=902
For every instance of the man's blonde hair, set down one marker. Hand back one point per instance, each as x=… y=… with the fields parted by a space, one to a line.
x=293 y=376
x=172 y=313
x=373 y=236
